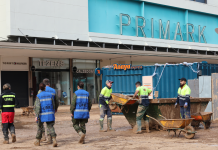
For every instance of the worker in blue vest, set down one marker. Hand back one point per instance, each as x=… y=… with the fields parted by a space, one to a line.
x=80 y=107
x=104 y=98
x=45 y=112
x=183 y=99
x=53 y=92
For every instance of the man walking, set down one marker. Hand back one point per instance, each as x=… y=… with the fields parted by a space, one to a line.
x=80 y=107
x=104 y=99
x=8 y=101
x=45 y=112
x=53 y=92
x=183 y=99
x=143 y=92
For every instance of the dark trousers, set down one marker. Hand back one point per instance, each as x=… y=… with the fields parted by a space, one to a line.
x=105 y=110
x=185 y=112
x=6 y=127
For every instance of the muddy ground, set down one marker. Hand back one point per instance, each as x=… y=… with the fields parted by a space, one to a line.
x=121 y=139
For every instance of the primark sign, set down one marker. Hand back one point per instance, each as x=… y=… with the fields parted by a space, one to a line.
x=165 y=33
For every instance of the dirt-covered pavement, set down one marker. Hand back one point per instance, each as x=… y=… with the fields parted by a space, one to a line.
x=121 y=139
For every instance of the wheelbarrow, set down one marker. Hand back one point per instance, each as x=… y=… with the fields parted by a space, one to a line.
x=182 y=125
x=120 y=100
x=202 y=117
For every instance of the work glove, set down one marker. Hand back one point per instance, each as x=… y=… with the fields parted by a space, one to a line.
x=186 y=105
x=133 y=97
x=107 y=102
x=175 y=105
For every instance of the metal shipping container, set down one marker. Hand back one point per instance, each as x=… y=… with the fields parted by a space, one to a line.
x=165 y=78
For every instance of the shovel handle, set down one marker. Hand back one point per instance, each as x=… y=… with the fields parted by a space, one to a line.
x=155 y=120
x=162 y=116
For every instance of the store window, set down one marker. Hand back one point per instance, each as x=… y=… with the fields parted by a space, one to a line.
x=201 y=1
x=85 y=72
x=57 y=71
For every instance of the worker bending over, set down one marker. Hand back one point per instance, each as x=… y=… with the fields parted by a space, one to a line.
x=143 y=92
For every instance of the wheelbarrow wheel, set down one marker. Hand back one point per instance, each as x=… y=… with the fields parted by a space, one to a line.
x=113 y=106
x=189 y=135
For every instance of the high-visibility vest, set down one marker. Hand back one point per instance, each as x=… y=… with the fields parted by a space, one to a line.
x=184 y=94
x=105 y=95
x=46 y=107
x=82 y=105
x=143 y=93
x=51 y=90
x=8 y=101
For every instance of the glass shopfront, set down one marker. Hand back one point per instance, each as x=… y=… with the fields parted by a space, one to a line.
x=85 y=72
x=57 y=71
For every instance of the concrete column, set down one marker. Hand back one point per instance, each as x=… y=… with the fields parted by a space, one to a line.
x=30 y=82
x=71 y=79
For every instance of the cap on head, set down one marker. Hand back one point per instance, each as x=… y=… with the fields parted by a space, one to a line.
x=109 y=81
x=183 y=79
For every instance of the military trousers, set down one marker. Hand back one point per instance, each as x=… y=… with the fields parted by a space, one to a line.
x=50 y=129
x=141 y=113
x=79 y=125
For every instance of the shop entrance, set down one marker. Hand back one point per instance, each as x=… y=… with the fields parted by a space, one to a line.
x=59 y=80
x=85 y=72
x=19 y=85
x=88 y=81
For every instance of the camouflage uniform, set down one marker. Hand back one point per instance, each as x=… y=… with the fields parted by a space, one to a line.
x=50 y=128
x=56 y=107
x=141 y=113
x=79 y=124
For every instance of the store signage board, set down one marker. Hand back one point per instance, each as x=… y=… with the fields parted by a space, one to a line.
x=46 y=63
x=85 y=71
x=165 y=33
x=126 y=67
x=14 y=63
x=147 y=81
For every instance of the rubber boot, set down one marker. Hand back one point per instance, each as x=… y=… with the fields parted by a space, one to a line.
x=82 y=137
x=13 y=137
x=138 y=127
x=101 y=122
x=49 y=139
x=147 y=126
x=43 y=137
x=109 y=124
x=54 y=142
x=37 y=142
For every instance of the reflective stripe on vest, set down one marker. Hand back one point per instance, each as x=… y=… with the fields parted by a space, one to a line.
x=80 y=110
x=106 y=93
x=8 y=105
x=184 y=93
x=82 y=105
x=46 y=113
x=46 y=107
x=8 y=96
